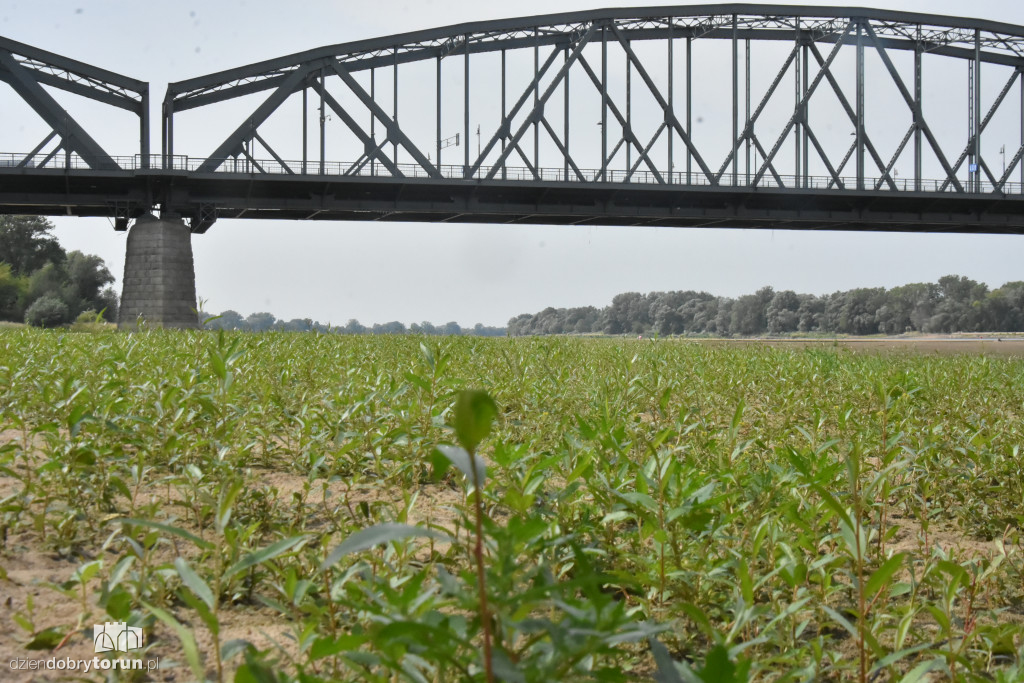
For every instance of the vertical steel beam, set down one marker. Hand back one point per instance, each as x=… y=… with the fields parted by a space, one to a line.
x=671 y=99
x=1022 y=128
x=629 y=109
x=144 y=127
x=735 y=93
x=689 y=103
x=504 y=169
x=465 y=104
x=167 y=132
x=536 y=97
x=394 y=107
x=373 y=119
x=323 y=119
x=437 y=113
x=860 y=104
x=799 y=128
x=918 y=109
x=746 y=127
x=604 y=103
x=565 y=111
x=305 y=127
x=805 y=114
x=976 y=105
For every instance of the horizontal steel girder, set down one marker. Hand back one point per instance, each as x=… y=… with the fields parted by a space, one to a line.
x=254 y=196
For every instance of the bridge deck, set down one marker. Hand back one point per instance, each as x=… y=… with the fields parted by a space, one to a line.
x=271 y=189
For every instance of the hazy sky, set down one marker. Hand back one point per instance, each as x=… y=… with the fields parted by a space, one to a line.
x=439 y=272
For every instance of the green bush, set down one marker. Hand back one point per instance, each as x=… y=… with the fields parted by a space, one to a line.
x=47 y=311
x=91 y=321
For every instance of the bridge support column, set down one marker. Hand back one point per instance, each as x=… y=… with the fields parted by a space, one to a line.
x=159 y=275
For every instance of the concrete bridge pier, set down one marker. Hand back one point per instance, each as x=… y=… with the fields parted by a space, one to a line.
x=159 y=275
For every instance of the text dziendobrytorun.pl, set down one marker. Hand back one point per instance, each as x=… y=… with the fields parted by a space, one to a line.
x=84 y=665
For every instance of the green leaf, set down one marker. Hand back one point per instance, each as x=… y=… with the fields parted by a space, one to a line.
x=894 y=657
x=418 y=381
x=261 y=556
x=326 y=647
x=188 y=641
x=233 y=647
x=667 y=671
x=475 y=411
x=917 y=673
x=883 y=574
x=464 y=462
x=79 y=416
x=200 y=607
x=254 y=671
x=834 y=505
x=842 y=621
x=718 y=668
x=227 y=499
x=737 y=417
x=374 y=536
x=119 y=604
x=194 y=582
x=88 y=570
x=505 y=670
x=167 y=528
x=46 y=639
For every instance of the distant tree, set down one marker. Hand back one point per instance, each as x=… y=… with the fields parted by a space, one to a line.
x=27 y=245
x=47 y=311
x=959 y=308
x=628 y=313
x=581 y=320
x=723 y=317
x=451 y=328
x=295 y=325
x=260 y=322
x=783 y=312
x=955 y=303
x=12 y=294
x=393 y=327
x=519 y=326
x=550 y=321
x=354 y=327
x=228 y=320
x=48 y=280
x=750 y=312
x=699 y=314
x=858 y=310
x=109 y=303
x=86 y=276
x=810 y=313
x=665 y=318
x=1005 y=308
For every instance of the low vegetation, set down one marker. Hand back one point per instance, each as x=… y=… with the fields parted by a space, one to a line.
x=383 y=508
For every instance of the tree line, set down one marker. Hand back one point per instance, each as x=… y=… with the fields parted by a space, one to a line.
x=265 y=322
x=41 y=284
x=953 y=304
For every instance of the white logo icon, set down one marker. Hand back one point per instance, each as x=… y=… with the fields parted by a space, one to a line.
x=116 y=636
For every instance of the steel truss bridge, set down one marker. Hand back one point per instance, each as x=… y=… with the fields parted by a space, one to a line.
x=732 y=115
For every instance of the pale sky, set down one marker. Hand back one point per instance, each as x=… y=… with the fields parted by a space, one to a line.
x=377 y=272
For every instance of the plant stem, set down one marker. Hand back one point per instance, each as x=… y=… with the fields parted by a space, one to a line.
x=478 y=552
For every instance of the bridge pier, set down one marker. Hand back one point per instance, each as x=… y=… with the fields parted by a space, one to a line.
x=159 y=275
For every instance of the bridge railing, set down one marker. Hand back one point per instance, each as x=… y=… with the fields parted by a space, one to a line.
x=256 y=167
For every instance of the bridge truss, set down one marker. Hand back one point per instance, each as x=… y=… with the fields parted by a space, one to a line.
x=27 y=69
x=733 y=114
